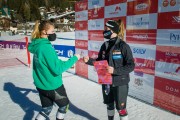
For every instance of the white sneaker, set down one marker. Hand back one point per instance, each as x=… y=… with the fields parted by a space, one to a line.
x=124 y=117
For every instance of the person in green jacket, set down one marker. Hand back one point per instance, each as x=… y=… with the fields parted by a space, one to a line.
x=48 y=69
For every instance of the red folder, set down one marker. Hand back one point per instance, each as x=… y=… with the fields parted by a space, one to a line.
x=103 y=76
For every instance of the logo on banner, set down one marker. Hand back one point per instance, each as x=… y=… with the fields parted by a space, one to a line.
x=171 y=54
x=94 y=46
x=138 y=73
x=96 y=24
x=141 y=7
x=116 y=11
x=59 y=52
x=70 y=53
x=174 y=37
x=177 y=18
x=95 y=13
x=141 y=22
x=140 y=64
x=82 y=6
x=82 y=15
x=80 y=34
x=172 y=89
x=95 y=2
x=141 y=37
x=94 y=56
x=138 y=83
x=139 y=51
x=173 y=2
x=80 y=25
x=117 y=8
x=94 y=35
x=81 y=44
x=166 y=3
x=176 y=73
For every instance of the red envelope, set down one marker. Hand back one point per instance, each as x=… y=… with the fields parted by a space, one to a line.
x=103 y=76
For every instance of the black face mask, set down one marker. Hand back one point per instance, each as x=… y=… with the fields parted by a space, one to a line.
x=52 y=37
x=107 y=34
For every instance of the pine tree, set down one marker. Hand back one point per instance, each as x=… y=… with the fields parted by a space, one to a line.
x=26 y=12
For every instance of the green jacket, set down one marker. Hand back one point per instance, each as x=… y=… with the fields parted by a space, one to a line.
x=47 y=68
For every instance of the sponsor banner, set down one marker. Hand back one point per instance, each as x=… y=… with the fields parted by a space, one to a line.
x=96 y=13
x=141 y=36
x=168 y=70
x=145 y=21
x=142 y=7
x=64 y=50
x=112 y=2
x=82 y=44
x=168 y=5
x=94 y=45
x=169 y=20
x=64 y=41
x=81 y=16
x=93 y=54
x=117 y=10
x=168 y=37
x=144 y=65
x=92 y=74
x=81 y=35
x=96 y=35
x=95 y=4
x=81 y=25
x=139 y=86
x=82 y=5
x=81 y=68
x=144 y=52
x=169 y=54
x=97 y=24
x=82 y=52
x=123 y=19
x=167 y=94
x=11 y=45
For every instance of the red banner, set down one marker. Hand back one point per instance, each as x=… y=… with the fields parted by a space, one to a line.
x=96 y=13
x=142 y=7
x=145 y=66
x=81 y=25
x=80 y=6
x=168 y=54
x=167 y=94
x=82 y=44
x=141 y=36
x=93 y=54
x=112 y=2
x=169 y=20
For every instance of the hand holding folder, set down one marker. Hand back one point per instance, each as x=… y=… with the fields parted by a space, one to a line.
x=104 y=77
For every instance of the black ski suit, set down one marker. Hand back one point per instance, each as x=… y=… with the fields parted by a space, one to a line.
x=119 y=56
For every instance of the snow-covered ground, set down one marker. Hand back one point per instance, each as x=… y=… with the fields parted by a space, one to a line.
x=20 y=101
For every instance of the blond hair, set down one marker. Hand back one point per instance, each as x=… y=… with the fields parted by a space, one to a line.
x=39 y=27
x=121 y=29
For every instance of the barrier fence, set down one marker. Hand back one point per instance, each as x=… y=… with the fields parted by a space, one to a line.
x=13 y=51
